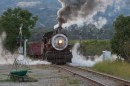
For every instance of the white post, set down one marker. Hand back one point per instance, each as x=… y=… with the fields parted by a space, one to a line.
x=25 y=52
x=25 y=42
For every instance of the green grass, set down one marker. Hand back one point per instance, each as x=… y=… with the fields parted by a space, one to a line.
x=93 y=47
x=119 y=69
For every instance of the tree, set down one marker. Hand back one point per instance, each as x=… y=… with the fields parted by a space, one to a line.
x=120 y=42
x=10 y=22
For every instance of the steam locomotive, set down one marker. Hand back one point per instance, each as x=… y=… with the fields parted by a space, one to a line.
x=56 y=48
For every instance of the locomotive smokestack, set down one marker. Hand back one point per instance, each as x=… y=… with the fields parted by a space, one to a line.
x=61 y=20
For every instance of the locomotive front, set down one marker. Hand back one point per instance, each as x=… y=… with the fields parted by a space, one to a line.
x=57 y=48
x=59 y=42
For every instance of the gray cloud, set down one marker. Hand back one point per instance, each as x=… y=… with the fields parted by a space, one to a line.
x=28 y=4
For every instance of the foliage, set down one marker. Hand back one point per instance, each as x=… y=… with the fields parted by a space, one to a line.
x=89 y=32
x=93 y=47
x=116 y=68
x=120 y=43
x=37 y=33
x=10 y=22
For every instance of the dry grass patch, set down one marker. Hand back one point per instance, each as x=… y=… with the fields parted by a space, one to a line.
x=116 y=68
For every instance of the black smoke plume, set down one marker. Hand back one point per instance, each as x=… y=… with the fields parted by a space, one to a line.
x=71 y=9
x=82 y=12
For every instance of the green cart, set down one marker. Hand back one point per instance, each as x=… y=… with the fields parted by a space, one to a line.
x=19 y=75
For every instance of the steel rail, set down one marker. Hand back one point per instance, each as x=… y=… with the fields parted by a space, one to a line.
x=79 y=75
x=104 y=75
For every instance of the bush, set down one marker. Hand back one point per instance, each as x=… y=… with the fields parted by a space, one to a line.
x=95 y=47
x=120 y=43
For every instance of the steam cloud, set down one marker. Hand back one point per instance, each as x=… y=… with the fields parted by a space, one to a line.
x=80 y=60
x=7 y=58
x=83 y=11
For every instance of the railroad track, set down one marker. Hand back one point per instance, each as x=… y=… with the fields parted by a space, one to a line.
x=98 y=79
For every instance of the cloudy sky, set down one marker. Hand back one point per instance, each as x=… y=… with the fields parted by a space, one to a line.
x=83 y=11
x=104 y=7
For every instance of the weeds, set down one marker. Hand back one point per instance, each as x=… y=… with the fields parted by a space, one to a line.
x=116 y=68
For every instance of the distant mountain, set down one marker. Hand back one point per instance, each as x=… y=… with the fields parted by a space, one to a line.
x=47 y=10
x=111 y=14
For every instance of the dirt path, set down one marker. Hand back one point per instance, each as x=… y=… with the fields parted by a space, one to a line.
x=46 y=76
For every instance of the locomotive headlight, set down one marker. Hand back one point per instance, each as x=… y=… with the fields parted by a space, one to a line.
x=59 y=41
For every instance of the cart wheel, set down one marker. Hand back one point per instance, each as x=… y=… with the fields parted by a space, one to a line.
x=12 y=78
x=20 y=79
x=25 y=78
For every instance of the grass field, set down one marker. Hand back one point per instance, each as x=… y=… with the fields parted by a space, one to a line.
x=116 y=68
x=93 y=47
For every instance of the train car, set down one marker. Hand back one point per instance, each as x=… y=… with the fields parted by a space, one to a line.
x=56 y=48
x=35 y=49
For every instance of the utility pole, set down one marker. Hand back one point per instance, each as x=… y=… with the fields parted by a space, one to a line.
x=80 y=38
x=25 y=42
